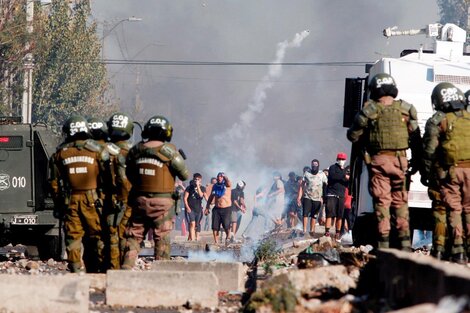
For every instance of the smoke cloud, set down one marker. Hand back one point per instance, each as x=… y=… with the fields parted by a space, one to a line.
x=268 y=120
x=256 y=106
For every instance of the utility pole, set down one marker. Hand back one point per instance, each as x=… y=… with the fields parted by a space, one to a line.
x=138 y=99
x=26 y=108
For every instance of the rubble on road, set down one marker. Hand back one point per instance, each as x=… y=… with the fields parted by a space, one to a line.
x=285 y=273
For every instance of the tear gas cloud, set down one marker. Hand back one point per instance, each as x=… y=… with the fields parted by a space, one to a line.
x=251 y=120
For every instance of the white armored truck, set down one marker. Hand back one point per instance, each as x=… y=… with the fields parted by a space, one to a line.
x=416 y=73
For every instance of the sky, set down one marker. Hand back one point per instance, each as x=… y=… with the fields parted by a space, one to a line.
x=249 y=120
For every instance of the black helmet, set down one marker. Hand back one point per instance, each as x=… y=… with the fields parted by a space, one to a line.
x=467 y=97
x=446 y=97
x=98 y=128
x=76 y=127
x=120 y=126
x=382 y=85
x=158 y=128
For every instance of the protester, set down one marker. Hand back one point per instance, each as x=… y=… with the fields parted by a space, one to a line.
x=208 y=218
x=221 y=194
x=291 y=190
x=276 y=199
x=238 y=208
x=310 y=195
x=193 y=196
x=346 y=223
x=337 y=182
x=258 y=224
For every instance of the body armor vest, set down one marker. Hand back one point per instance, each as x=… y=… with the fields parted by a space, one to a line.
x=153 y=173
x=80 y=166
x=389 y=130
x=456 y=143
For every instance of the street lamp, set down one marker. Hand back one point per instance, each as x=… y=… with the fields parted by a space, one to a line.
x=107 y=32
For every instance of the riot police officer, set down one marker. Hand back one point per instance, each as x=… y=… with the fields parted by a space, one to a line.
x=446 y=141
x=78 y=172
x=388 y=127
x=152 y=166
x=120 y=128
x=115 y=195
x=98 y=130
x=467 y=100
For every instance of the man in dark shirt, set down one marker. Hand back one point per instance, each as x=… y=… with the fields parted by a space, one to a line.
x=337 y=183
x=292 y=189
x=193 y=196
x=238 y=207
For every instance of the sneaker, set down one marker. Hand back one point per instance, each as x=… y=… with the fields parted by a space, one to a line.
x=338 y=237
x=301 y=234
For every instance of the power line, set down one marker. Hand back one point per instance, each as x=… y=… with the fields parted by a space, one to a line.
x=225 y=63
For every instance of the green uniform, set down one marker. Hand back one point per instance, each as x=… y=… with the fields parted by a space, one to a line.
x=432 y=169
x=447 y=138
x=388 y=131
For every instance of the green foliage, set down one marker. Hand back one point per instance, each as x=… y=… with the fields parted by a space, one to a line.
x=453 y=11
x=13 y=39
x=68 y=77
x=281 y=297
x=268 y=254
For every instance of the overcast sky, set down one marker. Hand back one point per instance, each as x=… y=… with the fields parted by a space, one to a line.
x=283 y=116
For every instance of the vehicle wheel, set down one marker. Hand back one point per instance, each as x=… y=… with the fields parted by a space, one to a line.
x=52 y=247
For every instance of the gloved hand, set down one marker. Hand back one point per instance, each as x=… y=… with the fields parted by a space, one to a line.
x=413 y=167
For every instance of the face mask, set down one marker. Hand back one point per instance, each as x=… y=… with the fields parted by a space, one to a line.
x=315 y=169
x=341 y=162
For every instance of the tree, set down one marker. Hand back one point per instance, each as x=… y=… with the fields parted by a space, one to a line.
x=68 y=77
x=13 y=48
x=454 y=11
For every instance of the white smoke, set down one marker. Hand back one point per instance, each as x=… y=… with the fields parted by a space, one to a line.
x=256 y=106
x=234 y=152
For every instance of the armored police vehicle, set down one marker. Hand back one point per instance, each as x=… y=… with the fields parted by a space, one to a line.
x=26 y=209
x=416 y=73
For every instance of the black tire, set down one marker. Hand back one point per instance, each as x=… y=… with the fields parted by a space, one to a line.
x=52 y=246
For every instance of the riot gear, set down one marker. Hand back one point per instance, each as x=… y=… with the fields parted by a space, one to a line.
x=382 y=85
x=158 y=128
x=454 y=143
x=467 y=100
x=446 y=97
x=390 y=130
x=120 y=126
x=76 y=127
x=98 y=129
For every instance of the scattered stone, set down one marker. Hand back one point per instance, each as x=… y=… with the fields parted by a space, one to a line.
x=32 y=265
x=22 y=263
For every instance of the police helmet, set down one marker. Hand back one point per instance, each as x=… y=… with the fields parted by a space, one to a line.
x=76 y=127
x=382 y=85
x=120 y=126
x=467 y=97
x=98 y=128
x=446 y=97
x=158 y=128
